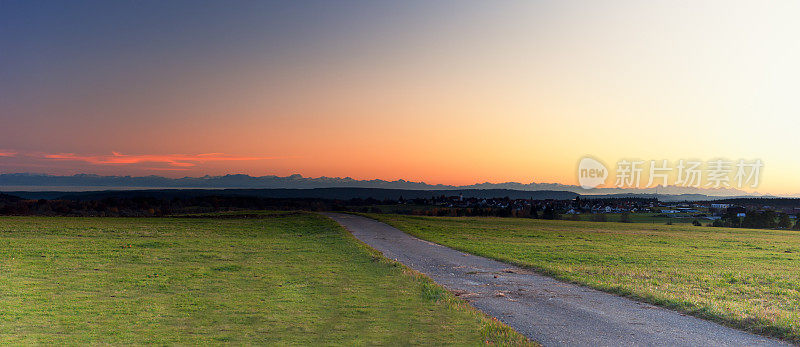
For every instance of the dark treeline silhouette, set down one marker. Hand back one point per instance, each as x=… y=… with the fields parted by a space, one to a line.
x=155 y=207
x=148 y=206
x=759 y=202
x=542 y=211
x=764 y=219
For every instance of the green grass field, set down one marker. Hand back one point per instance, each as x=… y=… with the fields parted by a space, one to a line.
x=742 y=277
x=281 y=278
x=647 y=217
x=643 y=217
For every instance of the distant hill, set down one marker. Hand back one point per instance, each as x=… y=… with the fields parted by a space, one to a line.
x=226 y=181
x=661 y=197
x=357 y=193
x=6 y=198
x=766 y=201
x=315 y=193
x=86 y=182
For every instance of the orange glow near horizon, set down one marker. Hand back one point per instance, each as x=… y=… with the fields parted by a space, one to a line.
x=493 y=92
x=180 y=161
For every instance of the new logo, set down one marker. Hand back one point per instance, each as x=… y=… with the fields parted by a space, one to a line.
x=591 y=173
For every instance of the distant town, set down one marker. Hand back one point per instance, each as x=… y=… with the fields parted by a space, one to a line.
x=741 y=212
x=767 y=213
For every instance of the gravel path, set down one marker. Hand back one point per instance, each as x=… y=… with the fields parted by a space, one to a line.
x=548 y=311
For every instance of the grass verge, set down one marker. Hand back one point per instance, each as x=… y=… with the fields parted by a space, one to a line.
x=749 y=279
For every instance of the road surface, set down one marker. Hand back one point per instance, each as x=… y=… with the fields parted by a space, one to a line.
x=545 y=310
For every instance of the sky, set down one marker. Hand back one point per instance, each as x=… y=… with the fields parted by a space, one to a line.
x=452 y=92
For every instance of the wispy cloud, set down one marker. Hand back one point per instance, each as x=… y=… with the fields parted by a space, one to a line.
x=6 y=153
x=175 y=161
